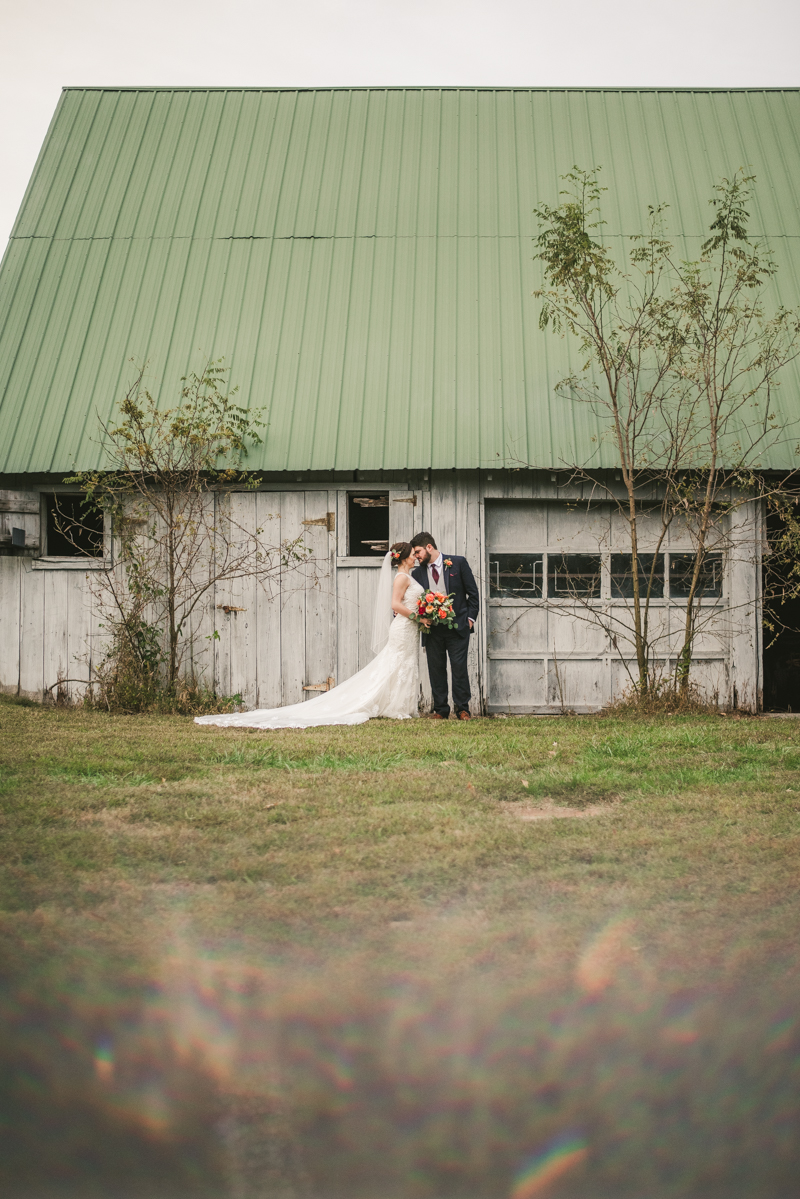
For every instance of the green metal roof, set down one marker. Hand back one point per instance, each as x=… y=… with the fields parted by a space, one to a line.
x=361 y=257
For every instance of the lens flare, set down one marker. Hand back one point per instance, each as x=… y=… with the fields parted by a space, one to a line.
x=104 y=1061
x=552 y=1163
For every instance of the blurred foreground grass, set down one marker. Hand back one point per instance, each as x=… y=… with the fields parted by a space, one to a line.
x=399 y=958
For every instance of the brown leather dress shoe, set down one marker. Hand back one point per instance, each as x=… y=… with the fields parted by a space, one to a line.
x=436 y=716
x=464 y=716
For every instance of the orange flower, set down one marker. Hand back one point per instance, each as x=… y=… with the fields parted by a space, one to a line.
x=429 y=608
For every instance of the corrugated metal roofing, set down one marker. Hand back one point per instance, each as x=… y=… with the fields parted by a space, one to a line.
x=361 y=257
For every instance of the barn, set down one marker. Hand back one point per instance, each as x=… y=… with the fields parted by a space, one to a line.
x=363 y=260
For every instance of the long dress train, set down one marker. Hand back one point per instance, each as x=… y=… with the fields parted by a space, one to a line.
x=388 y=686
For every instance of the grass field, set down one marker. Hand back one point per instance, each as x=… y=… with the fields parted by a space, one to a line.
x=400 y=959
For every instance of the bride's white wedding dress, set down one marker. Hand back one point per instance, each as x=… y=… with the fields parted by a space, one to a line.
x=389 y=686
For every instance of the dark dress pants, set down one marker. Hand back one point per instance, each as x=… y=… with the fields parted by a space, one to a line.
x=441 y=645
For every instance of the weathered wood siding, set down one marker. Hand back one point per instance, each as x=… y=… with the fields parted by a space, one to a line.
x=316 y=626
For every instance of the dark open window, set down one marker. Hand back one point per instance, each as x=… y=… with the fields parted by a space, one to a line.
x=74 y=530
x=368 y=524
x=573 y=576
x=622 y=576
x=515 y=575
x=681 y=568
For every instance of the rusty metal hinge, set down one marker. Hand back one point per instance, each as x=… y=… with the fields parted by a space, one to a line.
x=228 y=608
x=326 y=686
x=407 y=499
x=328 y=521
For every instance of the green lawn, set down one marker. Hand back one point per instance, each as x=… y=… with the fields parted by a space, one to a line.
x=403 y=957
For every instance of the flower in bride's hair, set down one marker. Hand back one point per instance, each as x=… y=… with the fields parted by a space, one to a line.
x=395 y=554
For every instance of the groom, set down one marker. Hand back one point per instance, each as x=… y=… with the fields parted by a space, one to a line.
x=447 y=573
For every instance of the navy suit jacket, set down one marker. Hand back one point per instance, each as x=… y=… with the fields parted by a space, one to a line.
x=459 y=580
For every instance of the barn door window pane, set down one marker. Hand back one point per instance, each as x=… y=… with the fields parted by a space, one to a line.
x=573 y=576
x=681 y=568
x=622 y=576
x=73 y=530
x=515 y=575
x=368 y=524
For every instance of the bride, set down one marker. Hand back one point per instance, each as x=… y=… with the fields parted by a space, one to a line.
x=389 y=686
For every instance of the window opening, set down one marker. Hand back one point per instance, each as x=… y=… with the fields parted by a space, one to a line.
x=573 y=576
x=514 y=575
x=622 y=576
x=781 y=630
x=368 y=524
x=681 y=568
x=74 y=529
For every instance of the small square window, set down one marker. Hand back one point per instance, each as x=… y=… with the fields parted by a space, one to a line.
x=368 y=524
x=681 y=568
x=516 y=575
x=622 y=576
x=573 y=576
x=74 y=529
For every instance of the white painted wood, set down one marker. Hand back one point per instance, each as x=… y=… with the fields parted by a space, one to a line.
x=367 y=594
x=516 y=629
x=574 y=529
x=342 y=548
x=712 y=680
x=55 y=645
x=267 y=658
x=513 y=527
x=32 y=633
x=20 y=520
x=242 y=620
x=199 y=659
x=403 y=507
x=320 y=626
x=443 y=515
x=19 y=501
x=293 y=606
x=469 y=539
x=577 y=685
x=648 y=531
x=224 y=594
x=517 y=685
x=743 y=587
x=81 y=605
x=574 y=630
x=10 y=585
x=348 y=617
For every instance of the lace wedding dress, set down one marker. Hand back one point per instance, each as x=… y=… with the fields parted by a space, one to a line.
x=389 y=686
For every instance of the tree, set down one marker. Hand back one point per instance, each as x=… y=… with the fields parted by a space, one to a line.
x=166 y=485
x=681 y=363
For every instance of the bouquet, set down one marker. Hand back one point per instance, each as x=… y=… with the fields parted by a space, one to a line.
x=437 y=608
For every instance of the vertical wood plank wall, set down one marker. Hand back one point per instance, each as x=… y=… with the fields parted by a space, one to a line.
x=315 y=624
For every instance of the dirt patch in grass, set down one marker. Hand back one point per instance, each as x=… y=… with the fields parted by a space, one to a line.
x=576 y=795
x=547 y=810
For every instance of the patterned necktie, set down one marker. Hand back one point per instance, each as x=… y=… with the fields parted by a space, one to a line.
x=435 y=574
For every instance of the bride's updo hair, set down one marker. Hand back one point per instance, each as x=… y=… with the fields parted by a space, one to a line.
x=400 y=551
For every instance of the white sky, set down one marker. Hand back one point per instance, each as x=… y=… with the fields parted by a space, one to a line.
x=47 y=44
